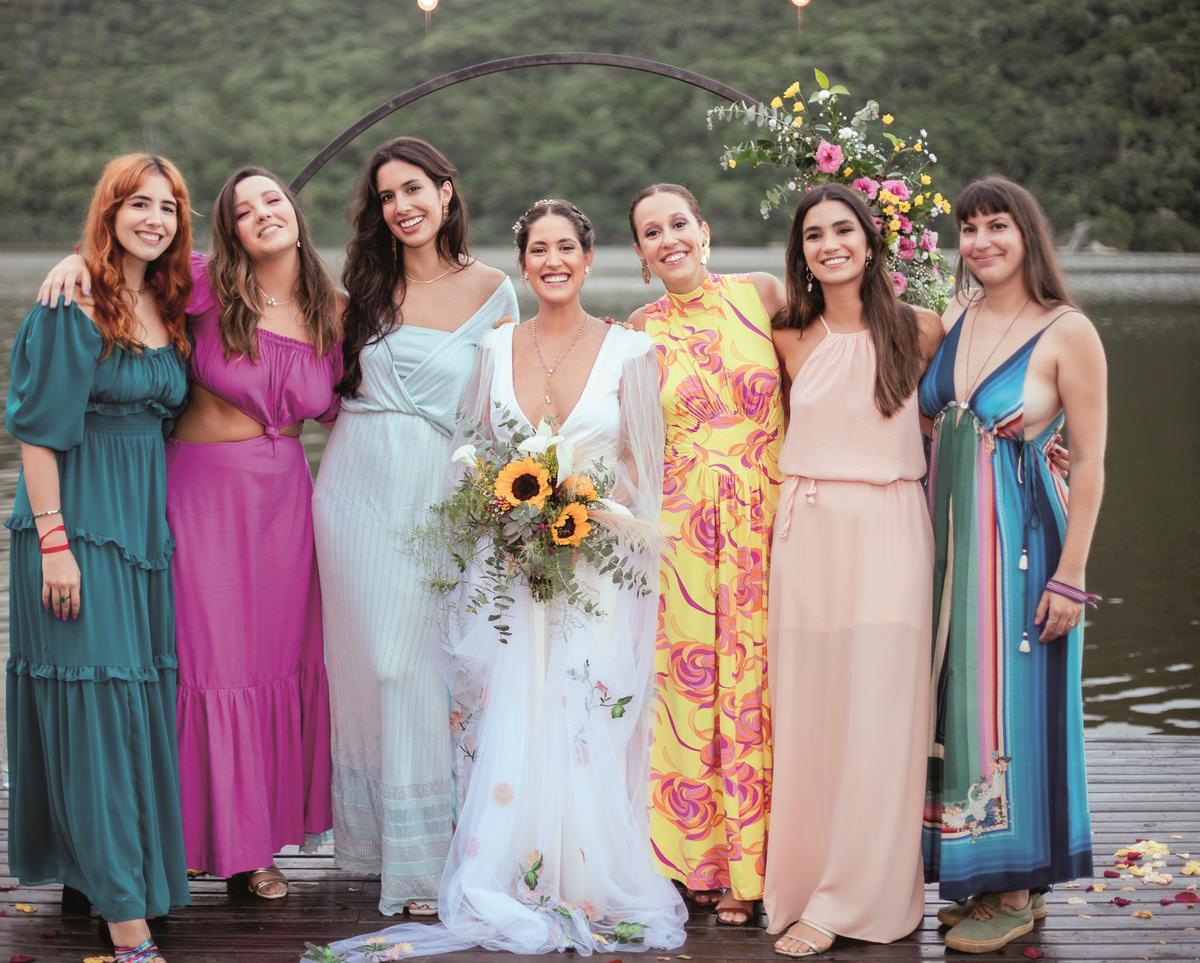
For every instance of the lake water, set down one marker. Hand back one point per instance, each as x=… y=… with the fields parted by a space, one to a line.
x=1141 y=657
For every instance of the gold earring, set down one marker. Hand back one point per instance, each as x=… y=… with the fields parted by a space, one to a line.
x=645 y=272
x=809 y=275
x=445 y=210
x=587 y=271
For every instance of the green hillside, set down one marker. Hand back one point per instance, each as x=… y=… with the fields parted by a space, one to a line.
x=1094 y=105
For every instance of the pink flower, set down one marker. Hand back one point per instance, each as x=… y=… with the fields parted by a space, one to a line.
x=907 y=250
x=878 y=222
x=867 y=186
x=898 y=189
x=828 y=157
x=905 y=224
x=899 y=283
x=929 y=240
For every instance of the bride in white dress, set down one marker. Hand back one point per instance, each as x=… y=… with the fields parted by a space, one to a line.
x=552 y=850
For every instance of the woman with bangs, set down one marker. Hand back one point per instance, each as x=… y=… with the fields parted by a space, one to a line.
x=92 y=669
x=1006 y=810
x=253 y=712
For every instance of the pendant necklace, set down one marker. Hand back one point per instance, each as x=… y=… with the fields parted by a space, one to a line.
x=551 y=368
x=966 y=402
x=274 y=302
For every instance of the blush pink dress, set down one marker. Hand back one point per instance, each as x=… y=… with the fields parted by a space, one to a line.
x=849 y=650
x=253 y=699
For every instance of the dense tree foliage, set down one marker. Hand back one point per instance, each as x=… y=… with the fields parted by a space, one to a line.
x=1092 y=103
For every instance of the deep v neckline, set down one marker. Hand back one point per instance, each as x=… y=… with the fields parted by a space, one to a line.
x=587 y=385
x=969 y=401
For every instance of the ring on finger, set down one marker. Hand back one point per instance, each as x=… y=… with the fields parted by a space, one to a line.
x=64 y=599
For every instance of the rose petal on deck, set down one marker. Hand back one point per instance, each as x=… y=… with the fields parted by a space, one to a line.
x=1033 y=953
x=1121 y=901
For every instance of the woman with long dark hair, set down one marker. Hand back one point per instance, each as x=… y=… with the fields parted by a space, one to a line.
x=91 y=671
x=418 y=306
x=850 y=591
x=253 y=702
x=1006 y=814
x=711 y=768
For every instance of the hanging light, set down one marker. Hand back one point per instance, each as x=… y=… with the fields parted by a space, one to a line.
x=430 y=5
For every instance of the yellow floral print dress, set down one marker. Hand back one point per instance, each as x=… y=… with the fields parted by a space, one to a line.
x=711 y=769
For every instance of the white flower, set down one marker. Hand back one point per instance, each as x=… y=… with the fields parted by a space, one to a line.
x=933 y=158
x=791 y=185
x=822 y=96
x=464 y=456
x=846 y=133
x=540 y=441
x=924 y=132
x=565 y=452
x=615 y=507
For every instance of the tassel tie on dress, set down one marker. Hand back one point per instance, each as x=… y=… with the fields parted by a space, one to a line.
x=790 y=486
x=1026 y=474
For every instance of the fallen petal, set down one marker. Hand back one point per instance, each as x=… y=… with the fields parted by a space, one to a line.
x=1121 y=901
x=1187 y=896
x=1033 y=953
x=1143 y=915
x=1098 y=887
x=1077 y=901
x=1112 y=874
x=25 y=908
x=1166 y=901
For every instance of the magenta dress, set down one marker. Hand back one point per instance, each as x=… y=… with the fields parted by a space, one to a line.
x=253 y=699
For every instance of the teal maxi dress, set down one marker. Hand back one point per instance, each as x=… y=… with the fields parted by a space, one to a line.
x=94 y=799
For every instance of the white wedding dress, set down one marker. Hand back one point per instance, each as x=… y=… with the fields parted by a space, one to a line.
x=552 y=848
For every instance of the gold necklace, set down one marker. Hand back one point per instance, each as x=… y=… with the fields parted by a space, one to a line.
x=966 y=402
x=550 y=369
x=275 y=302
x=412 y=280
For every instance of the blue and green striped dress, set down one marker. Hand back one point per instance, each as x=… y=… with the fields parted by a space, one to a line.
x=1006 y=802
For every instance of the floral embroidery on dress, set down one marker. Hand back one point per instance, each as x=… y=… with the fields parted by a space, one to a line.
x=986 y=808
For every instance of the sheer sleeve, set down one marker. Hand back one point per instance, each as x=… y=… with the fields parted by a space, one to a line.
x=475 y=409
x=50 y=376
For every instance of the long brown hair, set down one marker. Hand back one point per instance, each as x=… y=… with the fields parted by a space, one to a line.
x=892 y=325
x=231 y=273
x=168 y=277
x=1040 y=270
x=374 y=271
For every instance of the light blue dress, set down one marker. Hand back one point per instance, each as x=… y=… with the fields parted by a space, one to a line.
x=386 y=462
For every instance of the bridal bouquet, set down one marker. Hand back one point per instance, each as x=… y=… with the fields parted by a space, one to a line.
x=818 y=141
x=522 y=510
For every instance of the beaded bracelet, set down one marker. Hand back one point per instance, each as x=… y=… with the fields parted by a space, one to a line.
x=47 y=514
x=1072 y=593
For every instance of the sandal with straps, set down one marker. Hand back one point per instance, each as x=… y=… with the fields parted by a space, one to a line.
x=144 y=952
x=812 y=948
x=260 y=879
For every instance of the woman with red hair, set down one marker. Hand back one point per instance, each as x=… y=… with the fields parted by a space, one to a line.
x=92 y=672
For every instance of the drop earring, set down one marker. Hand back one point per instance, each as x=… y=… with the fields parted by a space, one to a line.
x=445 y=210
x=587 y=271
x=645 y=272
x=704 y=254
x=809 y=275
x=870 y=258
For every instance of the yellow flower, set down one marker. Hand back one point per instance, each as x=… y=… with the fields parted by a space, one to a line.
x=798 y=107
x=945 y=207
x=580 y=485
x=793 y=89
x=917 y=147
x=902 y=145
x=886 y=197
x=523 y=482
x=905 y=207
x=919 y=200
x=847 y=172
x=888 y=118
x=797 y=121
x=571 y=527
x=894 y=224
x=731 y=163
x=777 y=103
x=937 y=198
x=889 y=210
x=926 y=179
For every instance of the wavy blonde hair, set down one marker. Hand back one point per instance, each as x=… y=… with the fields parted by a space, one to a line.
x=169 y=277
x=233 y=282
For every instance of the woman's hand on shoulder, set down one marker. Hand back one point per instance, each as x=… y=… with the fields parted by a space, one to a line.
x=930 y=332
x=771 y=292
x=637 y=320
x=68 y=278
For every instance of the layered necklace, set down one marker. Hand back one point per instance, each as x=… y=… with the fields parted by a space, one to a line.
x=549 y=369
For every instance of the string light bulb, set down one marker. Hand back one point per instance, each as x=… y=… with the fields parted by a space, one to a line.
x=427 y=5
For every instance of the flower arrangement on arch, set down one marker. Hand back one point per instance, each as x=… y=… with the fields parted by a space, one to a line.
x=523 y=510
x=818 y=142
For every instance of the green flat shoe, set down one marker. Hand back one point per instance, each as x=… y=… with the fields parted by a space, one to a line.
x=954 y=913
x=985 y=936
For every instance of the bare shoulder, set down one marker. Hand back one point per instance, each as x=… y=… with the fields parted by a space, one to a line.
x=958 y=304
x=637 y=320
x=770 y=291
x=1073 y=329
x=340 y=301
x=483 y=276
x=930 y=331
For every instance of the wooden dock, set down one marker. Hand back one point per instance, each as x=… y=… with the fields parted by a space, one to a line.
x=1145 y=788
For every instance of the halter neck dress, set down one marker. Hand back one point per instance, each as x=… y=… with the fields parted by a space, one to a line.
x=711 y=770
x=1007 y=797
x=386 y=463
x=849 y=654
x=253 y=697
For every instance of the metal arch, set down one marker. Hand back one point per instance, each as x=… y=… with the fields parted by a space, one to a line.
x=414 y=94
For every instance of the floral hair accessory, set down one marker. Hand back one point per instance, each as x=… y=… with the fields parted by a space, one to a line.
x=825 y=145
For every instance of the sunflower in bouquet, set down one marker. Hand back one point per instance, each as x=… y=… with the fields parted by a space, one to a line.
x=522 y=511
x=816 y=140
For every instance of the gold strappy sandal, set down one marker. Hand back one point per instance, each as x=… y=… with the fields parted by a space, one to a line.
x=812 y=949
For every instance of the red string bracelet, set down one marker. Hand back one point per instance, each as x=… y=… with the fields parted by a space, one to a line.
x=57 y=548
